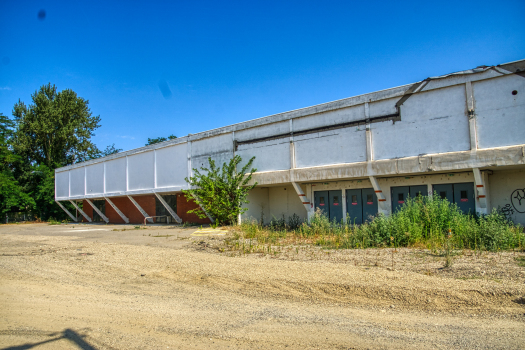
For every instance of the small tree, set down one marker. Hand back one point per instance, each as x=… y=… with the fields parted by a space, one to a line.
x=221 y=192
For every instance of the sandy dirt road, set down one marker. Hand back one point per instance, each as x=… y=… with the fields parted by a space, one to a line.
x=91 y=287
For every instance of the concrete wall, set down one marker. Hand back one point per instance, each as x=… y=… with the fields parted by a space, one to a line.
x=434 y=131
x=507 y=192
x=274 y=202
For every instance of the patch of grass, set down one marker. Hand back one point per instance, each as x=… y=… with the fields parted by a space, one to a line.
x=520 y=260
x=430 y=222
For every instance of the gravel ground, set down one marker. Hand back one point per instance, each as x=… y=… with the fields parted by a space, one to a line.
x=167 y=287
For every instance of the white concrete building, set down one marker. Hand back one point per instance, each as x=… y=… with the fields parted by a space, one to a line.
x=460 y=134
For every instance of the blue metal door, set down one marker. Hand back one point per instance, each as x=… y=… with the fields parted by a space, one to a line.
x=354 y=206
x=464 y=197
x=321 y=202
x=336 y=206
x=369 y=203
x=416 y=191
x=399 y=196
x=445 y=191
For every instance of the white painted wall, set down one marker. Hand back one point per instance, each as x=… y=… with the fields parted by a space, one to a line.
x=172 y=165
x=431 y=122
x=116 y=175
x=506 y=188
x=141 y=171
x=500 y=116
x=338 y=146
x=95 y=178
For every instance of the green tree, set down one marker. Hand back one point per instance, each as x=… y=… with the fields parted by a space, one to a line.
x=56 y=129
x=109 y=151
x=221 y=192
x=160 y=139
x=12 y=196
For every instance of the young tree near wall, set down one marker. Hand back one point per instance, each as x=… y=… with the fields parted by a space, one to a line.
x=221 y=191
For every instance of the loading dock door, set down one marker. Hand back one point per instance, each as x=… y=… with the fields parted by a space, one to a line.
x=445 y=191
x=401 y=193
x=421 y=190
x=354 y=206
x=399 y=196
x=369 y=203
x=464 y=197
x=462 y=194
x=336 y=206
x=321 y=202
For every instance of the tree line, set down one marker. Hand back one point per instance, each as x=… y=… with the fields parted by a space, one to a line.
x=53 y=131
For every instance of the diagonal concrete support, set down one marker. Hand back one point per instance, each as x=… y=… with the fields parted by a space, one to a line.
x=142 y=211
x=481 y=191
x=381 y=199
x=67 y=211
x=104 y=217
x=81 y=211
x=169 y=209
x=304 y=199
x=126 y=220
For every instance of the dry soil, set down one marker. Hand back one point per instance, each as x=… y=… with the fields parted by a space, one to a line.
x=168 y=287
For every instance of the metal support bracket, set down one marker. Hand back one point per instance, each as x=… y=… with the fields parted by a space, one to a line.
x=104 y=217
x=81 y=211
x=126 y=220
x=140 y=209
x=67 y=211
x=168 y=208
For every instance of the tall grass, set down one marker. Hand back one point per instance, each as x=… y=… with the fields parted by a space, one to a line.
x=429 y=222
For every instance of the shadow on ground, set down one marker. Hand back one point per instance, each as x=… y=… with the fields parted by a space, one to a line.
x=69 y=334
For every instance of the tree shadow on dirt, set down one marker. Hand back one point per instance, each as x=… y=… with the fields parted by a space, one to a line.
x=68 y=334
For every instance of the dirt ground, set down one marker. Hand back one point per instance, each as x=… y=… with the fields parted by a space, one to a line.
x=167 y=287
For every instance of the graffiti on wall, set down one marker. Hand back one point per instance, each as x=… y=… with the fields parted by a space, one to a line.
x=517 y=203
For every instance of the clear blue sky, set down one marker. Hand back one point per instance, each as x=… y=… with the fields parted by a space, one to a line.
x=226 y=62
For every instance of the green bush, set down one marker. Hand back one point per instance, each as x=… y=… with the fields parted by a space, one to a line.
x=431 y=222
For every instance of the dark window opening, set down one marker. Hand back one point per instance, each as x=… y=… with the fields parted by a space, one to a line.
x=100 y=205
x=464 y=195
x=321 y=200
x=400 y=197
x=443 y=195
x=369 y=198
x=336 y=200
x=160 y=209
x=354 y=198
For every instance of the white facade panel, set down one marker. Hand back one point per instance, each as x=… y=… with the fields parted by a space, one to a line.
x=77 y=182
x=62 y=184
x=500 y=114
x=116 y=175
x=172 y=165
x=431 y=122
x=263 y=131
x=339 y=116
x=269 y=155
x=383 y=107
x=211 y=145
x=141 y=171
x=95 y=178
x=338 y=146
x=218 y=158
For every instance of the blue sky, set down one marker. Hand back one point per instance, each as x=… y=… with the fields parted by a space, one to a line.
x=226 y=62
